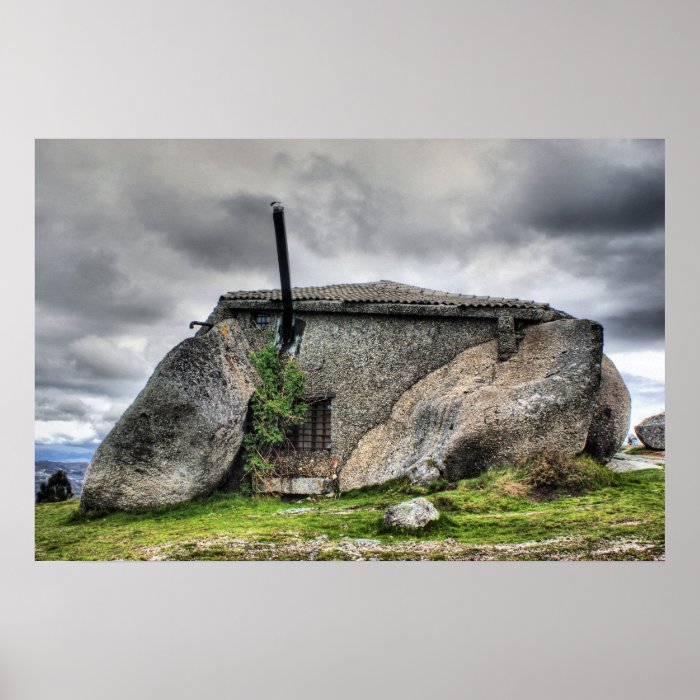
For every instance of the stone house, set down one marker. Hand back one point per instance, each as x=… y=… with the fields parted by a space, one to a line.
x=402 y=381
x=363 y=346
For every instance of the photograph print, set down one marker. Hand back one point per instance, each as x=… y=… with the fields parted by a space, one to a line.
x=361 y=350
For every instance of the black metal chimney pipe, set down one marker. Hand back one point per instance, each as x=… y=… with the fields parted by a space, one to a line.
x=285 y=282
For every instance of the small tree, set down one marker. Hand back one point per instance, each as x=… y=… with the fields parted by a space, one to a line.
x=57 y=488
x=275 y=408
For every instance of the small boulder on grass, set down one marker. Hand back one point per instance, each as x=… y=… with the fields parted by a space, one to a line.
x=411 y=515
x=652 y=432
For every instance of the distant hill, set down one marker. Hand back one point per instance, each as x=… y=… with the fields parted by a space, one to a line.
x=43 y=469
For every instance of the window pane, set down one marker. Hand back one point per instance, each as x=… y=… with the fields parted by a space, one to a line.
x=262 y=320
x=315 y=433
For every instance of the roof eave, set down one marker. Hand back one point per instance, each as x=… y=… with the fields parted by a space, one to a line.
x=532 y=313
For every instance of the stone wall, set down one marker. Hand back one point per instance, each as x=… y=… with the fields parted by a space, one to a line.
x=368 y=362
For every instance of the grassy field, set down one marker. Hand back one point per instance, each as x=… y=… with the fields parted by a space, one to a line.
x=490 y=517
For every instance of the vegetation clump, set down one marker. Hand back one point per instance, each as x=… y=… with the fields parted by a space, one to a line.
x=641 y=450
x=551 y=472
x=547 y=476
x=275 y=409
x=56 y=488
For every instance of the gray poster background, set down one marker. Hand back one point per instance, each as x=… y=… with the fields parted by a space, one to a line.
x=347 y=69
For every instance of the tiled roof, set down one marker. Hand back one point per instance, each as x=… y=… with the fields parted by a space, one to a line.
x=382 y=292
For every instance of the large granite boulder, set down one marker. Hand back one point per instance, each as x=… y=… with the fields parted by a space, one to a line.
x=475 y=412
x=611 y=414
x=181 y=435
x=652 y=431
x=411 y=515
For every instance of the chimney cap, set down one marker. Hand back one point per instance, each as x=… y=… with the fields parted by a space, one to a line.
x=276 y=206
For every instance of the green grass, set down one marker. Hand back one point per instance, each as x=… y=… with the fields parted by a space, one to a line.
x=489 y=517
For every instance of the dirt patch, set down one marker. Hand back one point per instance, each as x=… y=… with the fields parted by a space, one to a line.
x=622 y=546
x=322 y=548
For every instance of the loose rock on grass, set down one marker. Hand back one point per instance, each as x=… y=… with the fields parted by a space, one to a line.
x=652 y=431
x=411 y=515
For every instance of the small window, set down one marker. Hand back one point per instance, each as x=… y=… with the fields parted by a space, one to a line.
x=262 y=320
x=315 y=434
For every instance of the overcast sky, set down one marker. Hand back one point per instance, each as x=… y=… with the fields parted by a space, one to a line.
x=134 y=239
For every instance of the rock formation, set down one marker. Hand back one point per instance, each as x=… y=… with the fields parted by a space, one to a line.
x=181 y=435
x=611 y=415
x=652 y=431
x=476 y=413
x=415 y=383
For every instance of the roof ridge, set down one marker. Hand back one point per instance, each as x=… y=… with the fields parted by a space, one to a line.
x=382 y=291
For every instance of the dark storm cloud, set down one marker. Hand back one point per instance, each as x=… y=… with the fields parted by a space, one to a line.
x=540 y=190
x=61 y=408
x=628 y=271
x=87 y=283
x=334 y=210
x=597 y=211
x=225 y=234
x=84 y=247
x=644 y=326
x=607 y=208
x=99 y=358
x=59 y=371
x=564 y=189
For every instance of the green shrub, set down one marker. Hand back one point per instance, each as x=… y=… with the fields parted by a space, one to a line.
x=550 y=471
x=275 y=408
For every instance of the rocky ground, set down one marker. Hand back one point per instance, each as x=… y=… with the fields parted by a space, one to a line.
x=362 y=549
x=626 y=461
